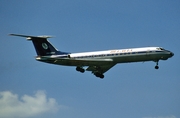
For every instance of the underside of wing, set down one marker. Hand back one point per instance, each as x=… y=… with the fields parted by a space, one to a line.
x=90 y=62
x=75 y=62
x=97 y=66
x=100 y=69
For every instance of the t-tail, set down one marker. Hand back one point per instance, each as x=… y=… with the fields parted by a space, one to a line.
x=42 y=46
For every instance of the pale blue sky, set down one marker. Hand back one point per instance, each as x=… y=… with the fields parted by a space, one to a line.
x=134 y=90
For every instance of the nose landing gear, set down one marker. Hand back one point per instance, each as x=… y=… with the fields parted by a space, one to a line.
x=156 y=67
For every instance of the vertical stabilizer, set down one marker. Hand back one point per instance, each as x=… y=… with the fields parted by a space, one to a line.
x=42 y=46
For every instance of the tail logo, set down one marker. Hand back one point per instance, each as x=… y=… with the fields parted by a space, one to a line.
x=45 y=46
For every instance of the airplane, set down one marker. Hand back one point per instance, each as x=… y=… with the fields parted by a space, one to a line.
x=97 y=62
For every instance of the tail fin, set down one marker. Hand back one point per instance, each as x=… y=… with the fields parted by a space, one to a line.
x=42 y=45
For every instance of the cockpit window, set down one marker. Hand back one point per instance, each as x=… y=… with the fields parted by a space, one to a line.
x=160 y=48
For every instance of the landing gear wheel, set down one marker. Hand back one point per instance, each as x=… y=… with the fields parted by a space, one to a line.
x=99 y=75
x=80 y=69
x=102 y=76
x=157 y=67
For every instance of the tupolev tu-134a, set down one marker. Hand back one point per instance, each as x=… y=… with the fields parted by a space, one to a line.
x=97 y=62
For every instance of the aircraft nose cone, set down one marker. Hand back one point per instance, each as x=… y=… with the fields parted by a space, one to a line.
x=172 y=54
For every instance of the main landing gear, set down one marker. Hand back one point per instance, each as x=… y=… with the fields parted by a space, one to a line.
x=80 y=69
x=97 y=74
x=156 y=67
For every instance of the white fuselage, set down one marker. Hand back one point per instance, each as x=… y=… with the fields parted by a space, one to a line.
x=111 y=56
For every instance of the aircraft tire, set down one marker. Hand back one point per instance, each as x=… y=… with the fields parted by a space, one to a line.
x=156 y=67
x=77 y=68
x=80 y=69
x=99 y=75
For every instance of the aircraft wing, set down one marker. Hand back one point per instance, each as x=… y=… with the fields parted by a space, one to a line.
x=97 y=65
x=94 y=65
x=79 y=62
x=91 y=62
x=101 y=68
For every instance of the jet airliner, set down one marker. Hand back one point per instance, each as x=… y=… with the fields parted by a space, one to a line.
x=97 y=62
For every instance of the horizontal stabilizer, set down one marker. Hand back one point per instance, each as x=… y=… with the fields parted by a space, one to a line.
x=31 y=37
